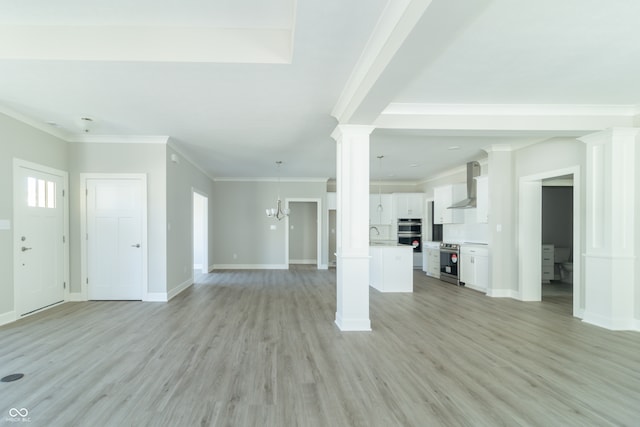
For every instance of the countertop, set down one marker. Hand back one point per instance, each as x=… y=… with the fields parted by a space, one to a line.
x=387 y=243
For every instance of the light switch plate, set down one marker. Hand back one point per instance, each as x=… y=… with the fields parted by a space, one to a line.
x=5 y=224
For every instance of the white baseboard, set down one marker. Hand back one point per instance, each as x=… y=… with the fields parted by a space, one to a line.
x=346 y=325
x=197 y=266
x=155 y=297
x=76 y=297
x=323 y=267
x=613 y=324
x=8 y=317
x=303 y=261
x=211 y=268
x=250 y=267
x=502 y=293
x=181 y=287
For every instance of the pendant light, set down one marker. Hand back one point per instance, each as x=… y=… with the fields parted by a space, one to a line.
x=277 y=212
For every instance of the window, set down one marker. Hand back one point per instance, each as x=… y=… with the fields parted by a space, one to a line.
x=41 y=193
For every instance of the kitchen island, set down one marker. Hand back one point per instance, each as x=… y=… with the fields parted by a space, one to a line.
x=391 y=267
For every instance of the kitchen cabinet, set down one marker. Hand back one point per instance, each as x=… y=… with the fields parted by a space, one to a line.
x=445 y=196
x=408 y=205
x=380 y=217
x=432 y=259
x=482 y=199
x=474 y=267
x=391 y=267
x=547 y=263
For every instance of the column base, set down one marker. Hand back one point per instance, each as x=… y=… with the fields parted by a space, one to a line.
x=352 y=324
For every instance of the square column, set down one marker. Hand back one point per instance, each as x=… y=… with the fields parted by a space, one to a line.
x=611 y=214
x=352 y=222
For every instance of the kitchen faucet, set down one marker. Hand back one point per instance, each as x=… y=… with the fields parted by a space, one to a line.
x=374 y=228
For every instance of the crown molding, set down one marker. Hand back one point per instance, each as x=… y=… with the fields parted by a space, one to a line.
x=44 y=127
x=268 y=179
x=511 y=109
x=119 y=139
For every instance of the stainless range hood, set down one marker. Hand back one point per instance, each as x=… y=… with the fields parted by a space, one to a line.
x=473 y=170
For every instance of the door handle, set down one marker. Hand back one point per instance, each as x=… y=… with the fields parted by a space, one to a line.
x=24 y=249
x=137 y=245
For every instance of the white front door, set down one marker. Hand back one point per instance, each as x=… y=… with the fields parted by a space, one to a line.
x=115 y=238
x=39 y=238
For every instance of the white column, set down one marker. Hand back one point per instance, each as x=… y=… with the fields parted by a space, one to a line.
x=352 y=215
x=611 y=212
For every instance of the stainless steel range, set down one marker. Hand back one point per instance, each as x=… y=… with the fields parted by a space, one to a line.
x=449 y=257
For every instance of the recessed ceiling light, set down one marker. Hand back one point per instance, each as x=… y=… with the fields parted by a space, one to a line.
x=454 y=147
x=51 y=123
x=413 y=165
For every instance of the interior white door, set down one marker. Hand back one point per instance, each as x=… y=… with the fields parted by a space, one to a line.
x=114 y=239
x=39 y=234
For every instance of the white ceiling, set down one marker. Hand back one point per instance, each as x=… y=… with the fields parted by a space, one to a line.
x=240 y=84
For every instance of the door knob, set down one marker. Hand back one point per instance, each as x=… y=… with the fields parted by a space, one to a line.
x=137 y=245
x=24 y=249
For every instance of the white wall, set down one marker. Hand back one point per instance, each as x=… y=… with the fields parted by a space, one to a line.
x=123 y=158
x=18 y=140
x=242 y=228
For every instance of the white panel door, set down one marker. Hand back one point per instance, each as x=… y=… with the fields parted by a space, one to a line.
x=114 y=239
x=39 y=235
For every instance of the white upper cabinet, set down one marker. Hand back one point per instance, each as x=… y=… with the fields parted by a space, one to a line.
x=408 y=205
x=445 y=196
x=377 y=216
x=482 y=206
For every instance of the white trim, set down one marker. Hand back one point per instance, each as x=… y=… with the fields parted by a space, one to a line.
x=352 y=324
x=211 y=268
x=8 y=317
x=503 y=293
x=84 y=272
x=64 y=176
x=76 y=297
x=318 y=202
x=155 y=297
x=303 y=261
x=269 y=179
x=534 y=244
x=118 y=139
x=250 y=267
x=178 y=289
x=323 y=267
x=613 y=324
x=398 y=108
x=36 y=124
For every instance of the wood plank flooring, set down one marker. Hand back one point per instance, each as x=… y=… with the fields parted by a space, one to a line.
x=260 y=348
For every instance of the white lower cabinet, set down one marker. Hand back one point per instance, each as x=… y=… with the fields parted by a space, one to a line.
x=474 y=267
x=432 y=258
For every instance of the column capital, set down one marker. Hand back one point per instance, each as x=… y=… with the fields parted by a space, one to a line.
x=342 y=130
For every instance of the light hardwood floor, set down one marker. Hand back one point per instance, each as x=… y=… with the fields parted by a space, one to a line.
x=260 y=348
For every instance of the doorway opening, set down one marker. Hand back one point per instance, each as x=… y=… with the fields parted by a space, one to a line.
x=303 y=231
x=530 y=235
x=557 y=241
x=200 y=234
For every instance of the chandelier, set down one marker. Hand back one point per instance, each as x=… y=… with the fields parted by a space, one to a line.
x=277 y=212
